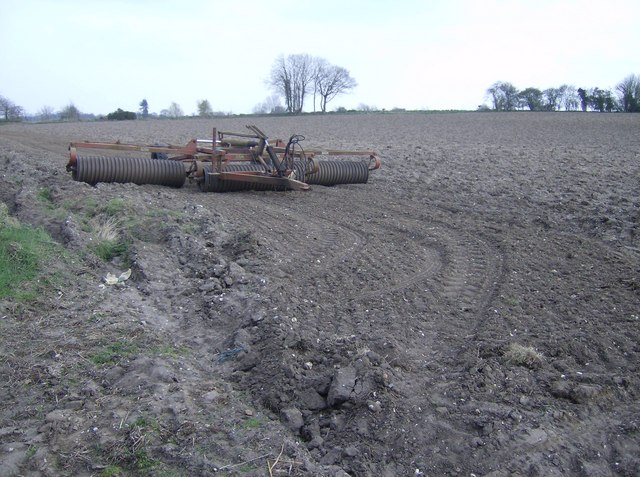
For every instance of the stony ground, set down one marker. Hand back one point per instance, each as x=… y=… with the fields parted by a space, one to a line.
x=472 y=310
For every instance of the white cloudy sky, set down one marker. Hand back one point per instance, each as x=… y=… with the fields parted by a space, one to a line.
x=436 y=54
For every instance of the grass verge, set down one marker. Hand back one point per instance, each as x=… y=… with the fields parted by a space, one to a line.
x=24 y=254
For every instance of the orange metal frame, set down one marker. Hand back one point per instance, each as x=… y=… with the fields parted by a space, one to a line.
x=225 y=147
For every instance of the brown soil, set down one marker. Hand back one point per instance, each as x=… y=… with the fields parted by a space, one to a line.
x=368 y=330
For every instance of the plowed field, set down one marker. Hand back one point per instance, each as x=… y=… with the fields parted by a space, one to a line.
x=472 y=310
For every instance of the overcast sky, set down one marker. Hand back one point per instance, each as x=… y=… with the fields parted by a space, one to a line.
x=415 y=54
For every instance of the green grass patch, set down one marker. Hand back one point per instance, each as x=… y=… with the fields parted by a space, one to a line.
x=85 y=225
x=171 y=351
x=24 y=254
x=189 y=229
x=252 y=423
x=93 y=217
x=107 y=250
x=112 y=471
x=44 y=195
x=143 y=461
x=112 y=353
x=115 y=208
x=31 y=451
x=146 y=423
x=89 y=206
x=133 y=455
x=137 y=462
x=91 y=203
x=107 y=242
x=86 y=208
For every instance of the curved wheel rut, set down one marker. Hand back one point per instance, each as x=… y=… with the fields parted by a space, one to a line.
x=438 y=269
x=473 y=267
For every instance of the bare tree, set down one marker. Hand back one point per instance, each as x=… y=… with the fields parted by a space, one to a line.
x=10 y=111
x=271 y=105
x=16 y=113
x=290 y=77
x=46 y=113
x=260 y=108
x=302 y=66
x=70 y=113
x=280 y=81
x=5 y=106
x=175 y=111
x=330 y=81
x=367 y=108
x=569 y=97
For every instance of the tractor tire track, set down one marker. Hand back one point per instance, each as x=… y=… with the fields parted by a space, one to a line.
x=472 y=269
x=429 y=257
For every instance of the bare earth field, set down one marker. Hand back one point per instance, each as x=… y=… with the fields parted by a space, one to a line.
x=472 y=310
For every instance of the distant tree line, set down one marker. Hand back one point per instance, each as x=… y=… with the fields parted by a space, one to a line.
x=9 y=112
x=12 y=112
x=505 y=96
x=293 y=78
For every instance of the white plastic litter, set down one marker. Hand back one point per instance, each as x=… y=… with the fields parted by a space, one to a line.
x=111 y=279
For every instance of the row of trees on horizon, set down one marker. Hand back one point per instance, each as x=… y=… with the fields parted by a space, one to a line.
x=505 y=96
x=295 y=79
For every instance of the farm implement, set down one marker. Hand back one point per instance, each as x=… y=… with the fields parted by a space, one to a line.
x=227 y=162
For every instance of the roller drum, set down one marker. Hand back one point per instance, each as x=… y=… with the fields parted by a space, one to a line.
x=330 y=173
x=213 y=183
x=339 y=172
x=94 y=169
